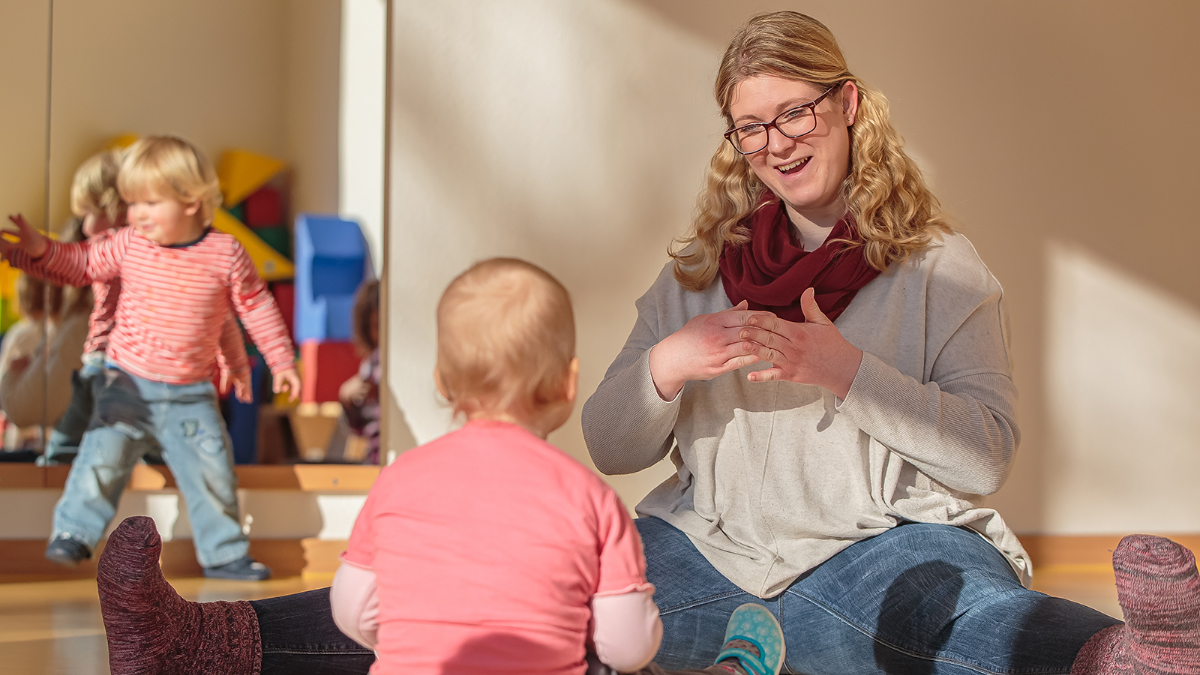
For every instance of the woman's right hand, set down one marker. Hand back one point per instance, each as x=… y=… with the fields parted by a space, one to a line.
x=27 y=239
x=706 y=346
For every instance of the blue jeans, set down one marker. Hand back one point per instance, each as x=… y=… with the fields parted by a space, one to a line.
x=63 y=444
x=133 y=417
x=916 y=599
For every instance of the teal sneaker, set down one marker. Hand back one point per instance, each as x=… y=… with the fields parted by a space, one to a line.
x=754 y=639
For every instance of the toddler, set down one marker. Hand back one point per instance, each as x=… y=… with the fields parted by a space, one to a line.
x=97 y=204
x=179 y=281
x=489 y=550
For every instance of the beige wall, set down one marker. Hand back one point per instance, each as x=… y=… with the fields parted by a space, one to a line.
x=222 y=73
x=1060 y=136
x=24 y=32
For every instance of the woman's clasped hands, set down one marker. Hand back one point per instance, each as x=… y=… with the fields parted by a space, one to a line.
x=813 y=352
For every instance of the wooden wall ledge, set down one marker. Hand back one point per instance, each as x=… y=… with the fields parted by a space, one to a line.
x=302 y=477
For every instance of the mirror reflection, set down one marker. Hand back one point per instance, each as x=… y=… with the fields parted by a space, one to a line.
x=257 y=90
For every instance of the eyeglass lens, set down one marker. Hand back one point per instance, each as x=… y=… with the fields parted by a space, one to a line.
x=795 y=122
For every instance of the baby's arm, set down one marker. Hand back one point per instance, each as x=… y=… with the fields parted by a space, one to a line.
x=355 y=603
x=626 y=629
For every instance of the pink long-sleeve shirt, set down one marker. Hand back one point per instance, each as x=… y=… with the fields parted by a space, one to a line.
x=173 y=300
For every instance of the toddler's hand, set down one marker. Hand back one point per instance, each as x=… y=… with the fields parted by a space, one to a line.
x=27 y=239
x=242 y=388
x=287 y=380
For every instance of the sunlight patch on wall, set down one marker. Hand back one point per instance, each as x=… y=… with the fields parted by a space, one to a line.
x=1123 y=390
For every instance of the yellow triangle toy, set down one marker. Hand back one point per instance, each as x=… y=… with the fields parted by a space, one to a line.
x=242 y=172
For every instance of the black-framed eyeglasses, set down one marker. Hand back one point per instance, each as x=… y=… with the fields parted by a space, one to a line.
x=793 y=123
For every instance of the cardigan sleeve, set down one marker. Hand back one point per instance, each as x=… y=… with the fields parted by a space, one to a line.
x=957 y=423
x=626 y=425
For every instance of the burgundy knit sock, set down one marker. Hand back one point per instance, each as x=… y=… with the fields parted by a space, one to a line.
x=151 y=630
x=1159 y=591
x=1104 y=654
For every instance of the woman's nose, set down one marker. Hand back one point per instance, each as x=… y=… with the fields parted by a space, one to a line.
x=777 y=143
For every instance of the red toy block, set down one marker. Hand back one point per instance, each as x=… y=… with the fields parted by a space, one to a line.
x=326 y=364
x=264 y=208
x=285 y=297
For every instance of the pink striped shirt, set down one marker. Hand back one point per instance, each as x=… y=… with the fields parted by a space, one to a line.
x=173 y=300
x=231 y=355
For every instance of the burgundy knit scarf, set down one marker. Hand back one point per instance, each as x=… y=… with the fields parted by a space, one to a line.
x=772 y=269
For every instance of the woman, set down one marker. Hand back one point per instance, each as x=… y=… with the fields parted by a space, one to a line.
x=836 y=485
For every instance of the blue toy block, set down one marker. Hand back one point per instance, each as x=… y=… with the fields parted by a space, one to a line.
x=331 y=263
x=242 y=420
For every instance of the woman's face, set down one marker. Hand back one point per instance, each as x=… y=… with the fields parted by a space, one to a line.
x=805 y=172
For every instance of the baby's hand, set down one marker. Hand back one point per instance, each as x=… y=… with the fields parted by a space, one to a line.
x=26 y=239
x=287 y=380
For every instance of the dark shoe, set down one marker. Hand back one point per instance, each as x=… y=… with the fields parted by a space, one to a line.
x=67 y=550
x=242 y=569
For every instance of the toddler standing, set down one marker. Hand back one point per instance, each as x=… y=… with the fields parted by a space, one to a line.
x=179 y=281
x=96 y=201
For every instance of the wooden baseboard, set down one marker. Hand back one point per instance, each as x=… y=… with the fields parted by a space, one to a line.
x=22 y=559
x=1048 y=550
x=303 y=477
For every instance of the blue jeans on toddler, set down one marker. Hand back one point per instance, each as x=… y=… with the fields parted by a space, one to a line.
x=63 y=444
x=919 y=598
x=134 y=416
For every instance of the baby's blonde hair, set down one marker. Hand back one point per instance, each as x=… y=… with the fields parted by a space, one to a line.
x=174 y=168
x=94 y=189
x=506 y=338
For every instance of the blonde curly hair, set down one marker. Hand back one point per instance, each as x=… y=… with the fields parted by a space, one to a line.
x=895 y=212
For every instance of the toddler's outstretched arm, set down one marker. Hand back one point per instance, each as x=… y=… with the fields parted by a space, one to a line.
x=626 y=629
x=28 y=240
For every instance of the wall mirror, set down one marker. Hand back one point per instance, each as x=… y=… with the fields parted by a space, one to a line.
x=259 y=88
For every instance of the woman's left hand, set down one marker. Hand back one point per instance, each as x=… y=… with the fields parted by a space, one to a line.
x=813 y=352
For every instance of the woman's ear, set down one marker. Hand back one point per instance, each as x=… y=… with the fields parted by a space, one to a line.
x=849 y=102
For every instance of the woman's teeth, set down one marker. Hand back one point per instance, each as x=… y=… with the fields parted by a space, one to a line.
x=788 y=168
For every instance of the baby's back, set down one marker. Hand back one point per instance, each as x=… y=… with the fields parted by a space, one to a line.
x=489 y=545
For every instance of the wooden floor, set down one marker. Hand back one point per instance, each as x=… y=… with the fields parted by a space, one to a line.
x=54 y=627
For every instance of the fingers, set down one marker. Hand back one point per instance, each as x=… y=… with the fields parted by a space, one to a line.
x=740 y=361
x=812 y=311
x=765 y=375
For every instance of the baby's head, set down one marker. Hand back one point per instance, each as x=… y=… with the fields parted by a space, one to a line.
x=506 y=345
x=94 y=194
x=171 y=188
